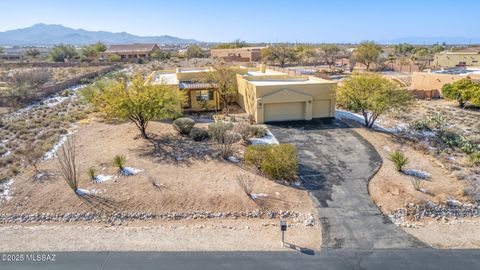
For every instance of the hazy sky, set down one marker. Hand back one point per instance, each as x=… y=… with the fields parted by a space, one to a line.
x=255 y=21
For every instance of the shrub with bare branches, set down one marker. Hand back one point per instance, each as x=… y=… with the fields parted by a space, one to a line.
x=224 y=137
x=67 y=165
x=416 y=182
x=22 y=84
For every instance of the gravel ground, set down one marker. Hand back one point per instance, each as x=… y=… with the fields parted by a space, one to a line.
x=207 y=235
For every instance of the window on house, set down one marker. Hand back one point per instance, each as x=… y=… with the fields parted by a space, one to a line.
x=204 y=95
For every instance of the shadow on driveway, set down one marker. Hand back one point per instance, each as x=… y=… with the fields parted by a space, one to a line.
x=335 y=165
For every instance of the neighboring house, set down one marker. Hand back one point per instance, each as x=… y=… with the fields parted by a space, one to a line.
x=460 y=58
x=10 y=56
x=199 y=95
x=131 y=51
x=245 y=54
x=268 y=96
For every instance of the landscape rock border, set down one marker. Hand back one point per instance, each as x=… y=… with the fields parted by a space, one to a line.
x=118 y=218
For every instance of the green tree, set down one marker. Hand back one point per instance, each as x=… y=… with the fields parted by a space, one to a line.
x=114 y=58
x=281 y=54
x=423 y=56
x=232 y=45
x=92 y=51
x=224 y=78
x=161 y=55
x=194 y=51
x=32 y=53
x=404 y=49
x=2 y=50
x=371 y=95
x=330 y=53
x=437 y=48
x=303 y=53
x=138 y=102
x=462 y=91
x=63 y=52
x=368 y=52
x=100 y=47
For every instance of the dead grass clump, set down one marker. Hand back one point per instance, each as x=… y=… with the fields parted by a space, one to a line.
x=441 y=199
x=247 y=183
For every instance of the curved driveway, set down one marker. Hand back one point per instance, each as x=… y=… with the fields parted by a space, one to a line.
x=336 y=164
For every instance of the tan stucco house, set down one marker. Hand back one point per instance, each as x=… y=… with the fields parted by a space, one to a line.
x=245 y=54
x=281 y=97
x=265 y=94
x=129 y=51
x=460 y=58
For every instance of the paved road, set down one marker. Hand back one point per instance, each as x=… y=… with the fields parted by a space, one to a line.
x=336 y=165
x=425 y=259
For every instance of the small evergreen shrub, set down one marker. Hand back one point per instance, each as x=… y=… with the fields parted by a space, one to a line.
x=199 y=134
x=399 y=159
x=276 y=161
x=183 y=125
x=475 y=158
x=258 y=131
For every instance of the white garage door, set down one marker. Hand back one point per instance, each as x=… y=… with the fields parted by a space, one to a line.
x=284 y=111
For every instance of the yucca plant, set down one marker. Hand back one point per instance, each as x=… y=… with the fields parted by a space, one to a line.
x=92 y=174
x=67 y=165
x=399 y=159
x=247 y=184
x=119 y=161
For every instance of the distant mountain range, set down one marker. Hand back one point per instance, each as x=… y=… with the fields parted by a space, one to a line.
x=432 y=40
x=50 y=34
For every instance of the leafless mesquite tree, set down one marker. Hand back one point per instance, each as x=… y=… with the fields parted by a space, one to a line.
x=67 y=165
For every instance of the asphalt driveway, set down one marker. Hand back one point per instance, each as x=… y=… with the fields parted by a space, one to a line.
x=336 y=164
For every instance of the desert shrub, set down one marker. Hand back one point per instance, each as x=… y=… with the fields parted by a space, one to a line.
x=119 y=161
x=183 y=125
x=217 y=129
x=399 y=159
x=199 y=134
x=276 y=161
x=475 y=158
x=224 y=137
x=244 y=130
x=258 y=131
x=254 y=154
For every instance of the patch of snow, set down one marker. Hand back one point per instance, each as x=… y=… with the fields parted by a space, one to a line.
x=102 y=178
x=83 y=192
x=233 y=159
x=260 y=195
x=6 y=154
x=417 y=173
x=267 y=139
x=341 y=114
x=51 y=153
x=423 y=190
x=5 y=192
x=127 y=171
